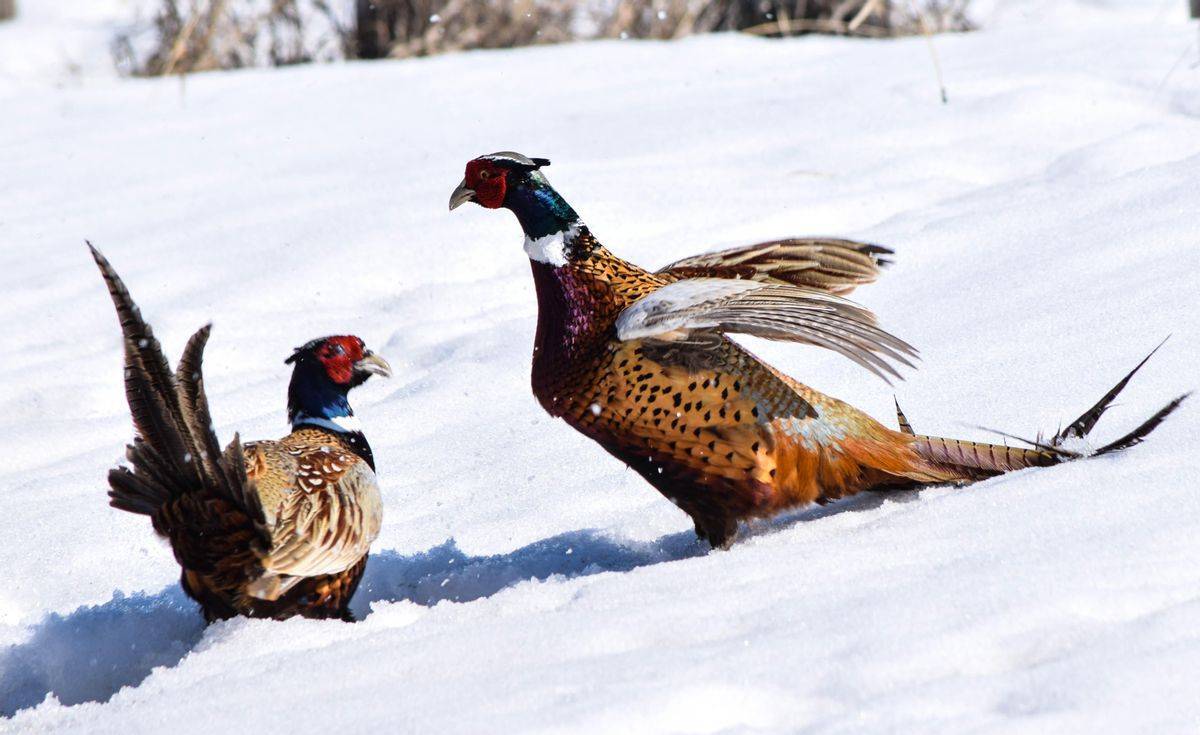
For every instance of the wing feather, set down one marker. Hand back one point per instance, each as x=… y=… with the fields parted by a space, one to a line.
x=322 y=527
x=827 y=264
x=771 y=310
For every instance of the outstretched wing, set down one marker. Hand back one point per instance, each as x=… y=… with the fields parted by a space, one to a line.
x=198 y=496
x=771 y=310
x=826 y=264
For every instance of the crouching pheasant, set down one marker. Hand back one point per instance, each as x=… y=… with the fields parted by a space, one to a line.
x=270 y=529
x=640 y=362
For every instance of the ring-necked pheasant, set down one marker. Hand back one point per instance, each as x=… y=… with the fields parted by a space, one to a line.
x=270 y=529
x=640 y=362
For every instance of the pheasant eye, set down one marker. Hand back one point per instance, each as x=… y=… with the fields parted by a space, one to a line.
x=335 y=350
x=485 y=174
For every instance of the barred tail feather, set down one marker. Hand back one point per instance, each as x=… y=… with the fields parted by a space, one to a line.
x=189 y=380
x=176 y=452
x=149 y=388
x=1141 y=432
x=243 y=492
x=967 y=460
x=149 y=383
x=1081 y=426
x=135 y=493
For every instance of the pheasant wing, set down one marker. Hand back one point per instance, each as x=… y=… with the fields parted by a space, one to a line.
x=825 y=264
x=325 y=525
x=770 y=310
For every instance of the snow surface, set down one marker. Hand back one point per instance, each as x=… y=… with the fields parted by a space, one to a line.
x=1045 y=228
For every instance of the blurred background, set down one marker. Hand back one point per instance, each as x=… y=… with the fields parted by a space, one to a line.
x=155 y=37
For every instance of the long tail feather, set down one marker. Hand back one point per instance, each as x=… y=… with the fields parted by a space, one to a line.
x=967 y=460
x=189 y=379
x=176 y=451
x=242 y=487
x=1081 y=426
x=1139 y=434
x=197 y=496
x=1050 y=448
x=902 y=419
x=975 y=460
x=135 y=493
x=226 y=468
x=149 y=383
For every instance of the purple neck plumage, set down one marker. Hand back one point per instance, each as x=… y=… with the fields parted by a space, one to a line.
x=555 y=241
x=576 y=313
x=570 y=309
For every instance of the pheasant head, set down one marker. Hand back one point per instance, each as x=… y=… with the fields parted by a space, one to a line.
x=516 y=182
x=325 y=371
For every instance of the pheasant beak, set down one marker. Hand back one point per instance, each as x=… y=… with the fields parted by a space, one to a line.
x=461 y=196
x=374 y=365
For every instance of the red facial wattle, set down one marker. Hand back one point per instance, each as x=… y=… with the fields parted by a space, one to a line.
x=338 y=355
x=489 y=182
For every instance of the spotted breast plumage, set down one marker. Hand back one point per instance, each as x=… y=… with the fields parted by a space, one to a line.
x=640 y=362
x=267 y=529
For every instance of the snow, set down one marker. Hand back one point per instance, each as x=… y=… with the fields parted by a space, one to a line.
x=1044 y=227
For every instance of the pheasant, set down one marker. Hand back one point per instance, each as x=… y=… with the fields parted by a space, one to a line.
x=269 y=529
x=641 y=363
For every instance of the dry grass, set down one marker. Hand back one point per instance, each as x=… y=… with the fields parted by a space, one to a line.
x=197 y=35
x=201 y=35
x=401 y=28
x=779 y=18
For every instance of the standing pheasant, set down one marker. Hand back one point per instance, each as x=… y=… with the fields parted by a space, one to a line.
x=270 y=529
x=640 y=362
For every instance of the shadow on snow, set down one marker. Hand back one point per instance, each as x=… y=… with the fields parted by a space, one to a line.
x=446 y=573
x=92 y=653
x=89 y=654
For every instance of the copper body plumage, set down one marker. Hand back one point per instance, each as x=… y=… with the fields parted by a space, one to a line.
x=639 y=361
x=716 y=430
x=267 y=529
